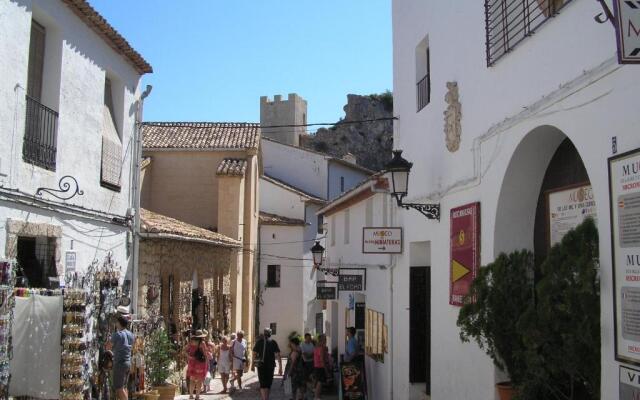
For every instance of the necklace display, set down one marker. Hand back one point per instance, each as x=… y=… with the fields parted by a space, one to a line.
x=7 y=282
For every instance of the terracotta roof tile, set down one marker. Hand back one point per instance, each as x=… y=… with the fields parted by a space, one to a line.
x=200 y=135
x=273 y=219
x=232 y=167
x=154 y=223
x=95 y=21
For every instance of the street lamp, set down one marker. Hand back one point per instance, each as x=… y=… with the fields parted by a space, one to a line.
x=399 y=169
x=318 y=254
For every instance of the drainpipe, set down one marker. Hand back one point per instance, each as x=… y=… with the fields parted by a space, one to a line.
x=137 y=160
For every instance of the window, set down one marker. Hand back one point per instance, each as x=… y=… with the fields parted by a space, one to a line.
x=375 y=335
x=347 y=226
x=111 y=166
x=333 y=230
x=423 y=75
x=320 y=224
x=274 y=328
x=342 y=184
x=36 y=258
x=369 y=212
x=508 y=22
x=273 y=276
x=41 y=123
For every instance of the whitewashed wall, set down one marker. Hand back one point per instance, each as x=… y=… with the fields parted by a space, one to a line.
x=564 y=80
x=76 y=62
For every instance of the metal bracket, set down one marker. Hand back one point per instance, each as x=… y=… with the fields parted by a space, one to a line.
x=431 y=211
x=608 y=15
x=68 y=187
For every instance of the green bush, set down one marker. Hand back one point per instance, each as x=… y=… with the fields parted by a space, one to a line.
x=500 y=294
x=158 y=356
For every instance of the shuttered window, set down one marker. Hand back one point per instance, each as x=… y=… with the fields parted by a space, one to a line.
x=36 y=61
x=111 y=166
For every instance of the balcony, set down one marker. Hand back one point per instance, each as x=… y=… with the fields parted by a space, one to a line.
x=40 y=136
x=423 y=93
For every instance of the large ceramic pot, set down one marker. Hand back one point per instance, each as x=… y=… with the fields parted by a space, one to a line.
x=153 y=395
x=166 y=391
x=505 y=390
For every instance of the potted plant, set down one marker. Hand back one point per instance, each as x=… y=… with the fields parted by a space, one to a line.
x=562 y=330
x=498 y=297
x=159 y=362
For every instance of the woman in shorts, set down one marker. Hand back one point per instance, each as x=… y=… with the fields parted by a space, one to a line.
x=224 y=362
x=321 y=364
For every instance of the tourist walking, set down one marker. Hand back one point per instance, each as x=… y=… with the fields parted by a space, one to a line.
x=238 y=357
x=265 y=353
x=197 y=355
x=295 y=370
x=213 y=362
x=224 y=362
x=306 y=349
x=121 y=343
x=321 y=364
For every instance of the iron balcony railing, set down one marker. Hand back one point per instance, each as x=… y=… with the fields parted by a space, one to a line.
x=40 y=136
x=423 y=92
x=508 y=22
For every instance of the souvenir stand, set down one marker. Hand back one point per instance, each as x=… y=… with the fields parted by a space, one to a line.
x=7 y=282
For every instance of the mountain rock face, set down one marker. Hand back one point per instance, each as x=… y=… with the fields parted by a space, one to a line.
x=370 y=142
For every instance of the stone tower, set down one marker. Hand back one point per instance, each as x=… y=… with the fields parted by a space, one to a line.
x=292 y=111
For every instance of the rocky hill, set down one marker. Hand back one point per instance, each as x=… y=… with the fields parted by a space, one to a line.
x=370 y=142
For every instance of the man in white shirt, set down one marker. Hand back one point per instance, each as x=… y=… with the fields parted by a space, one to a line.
x=238 y=356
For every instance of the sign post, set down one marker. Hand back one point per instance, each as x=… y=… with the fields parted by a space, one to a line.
x=624 y=202
x=465 y=250
x=627 y=21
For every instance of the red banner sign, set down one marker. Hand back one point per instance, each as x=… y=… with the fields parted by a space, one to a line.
x=465 y=250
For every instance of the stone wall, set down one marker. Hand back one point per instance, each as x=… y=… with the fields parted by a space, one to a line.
x=164 y=260
x=371 y=143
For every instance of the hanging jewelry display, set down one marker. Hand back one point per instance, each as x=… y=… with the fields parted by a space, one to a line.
x=7 y=300
x=74 y=368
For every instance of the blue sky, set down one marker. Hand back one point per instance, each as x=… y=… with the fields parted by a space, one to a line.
x=213 y=59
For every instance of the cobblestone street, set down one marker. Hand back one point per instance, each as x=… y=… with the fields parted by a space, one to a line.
x=251 y=389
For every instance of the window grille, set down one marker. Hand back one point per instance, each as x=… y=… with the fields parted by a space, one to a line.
x=509 y=22
x=273 y=276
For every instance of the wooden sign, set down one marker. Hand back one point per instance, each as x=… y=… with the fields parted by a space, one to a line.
x=325 y=293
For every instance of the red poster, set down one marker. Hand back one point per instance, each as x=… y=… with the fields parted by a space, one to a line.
x=465 y=250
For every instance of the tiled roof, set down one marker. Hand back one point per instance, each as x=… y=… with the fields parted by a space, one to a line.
x=293 y=189
x=232 y=167
x=200 y=135
x=273 y=219
x=170 y=228
x=95 y=21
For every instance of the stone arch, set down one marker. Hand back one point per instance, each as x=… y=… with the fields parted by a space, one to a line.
x=520 y=192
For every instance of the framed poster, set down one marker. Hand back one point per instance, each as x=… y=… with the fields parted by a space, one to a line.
x=624 y=203
x=627 y=23
x=465 y=251
x=567 y=208
x=353 y=384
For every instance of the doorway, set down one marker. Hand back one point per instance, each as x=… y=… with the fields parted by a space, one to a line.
x=420 y=326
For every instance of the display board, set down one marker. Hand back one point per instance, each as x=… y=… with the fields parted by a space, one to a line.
x=624 y=197
x=353 y=383
x=465 y=250
x=566 y=209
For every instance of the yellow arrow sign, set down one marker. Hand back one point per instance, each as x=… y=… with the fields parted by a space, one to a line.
x=459 y=271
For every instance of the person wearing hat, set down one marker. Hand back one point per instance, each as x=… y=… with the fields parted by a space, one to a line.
x=121 y=343
x=265 y=354
x=198 y=356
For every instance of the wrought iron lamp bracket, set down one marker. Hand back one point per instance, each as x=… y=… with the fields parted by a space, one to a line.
x=68 y=188
x=431 y=211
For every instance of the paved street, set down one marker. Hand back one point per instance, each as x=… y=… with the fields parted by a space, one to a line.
x=251 y=390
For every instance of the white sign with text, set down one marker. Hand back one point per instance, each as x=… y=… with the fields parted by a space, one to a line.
x=382 y=240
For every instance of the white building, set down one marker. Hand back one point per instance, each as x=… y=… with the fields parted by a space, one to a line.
x=545 y=111
x=297 y=182
x=366 y=205
x=68 y=102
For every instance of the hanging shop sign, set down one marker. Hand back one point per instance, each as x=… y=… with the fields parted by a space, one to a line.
x=326 y=293
x=624 y=202
x=627 y=22
x=629 y=383
x=567 y=208
x=350 y=283
x=382 y=240
x=465 y=250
